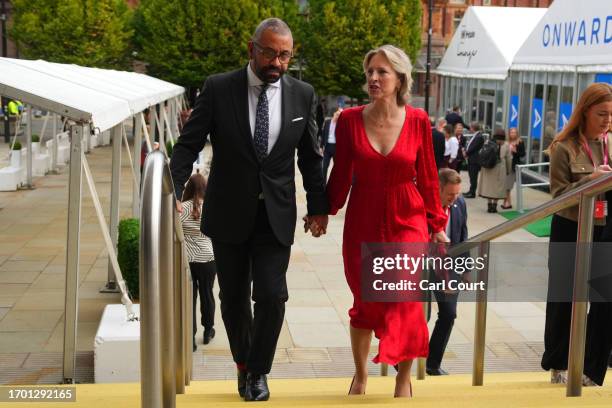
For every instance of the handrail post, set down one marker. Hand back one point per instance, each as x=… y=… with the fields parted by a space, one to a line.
x=519 y=188
x=480 y=325
x=189 y=317
x=179 y=317
x=150 y=308
x=580 y=296
x=167 y=299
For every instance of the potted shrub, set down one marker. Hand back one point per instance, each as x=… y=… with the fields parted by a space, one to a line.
x=169 y=147
x=16 y=155
x=35 y=143
x=128 y=247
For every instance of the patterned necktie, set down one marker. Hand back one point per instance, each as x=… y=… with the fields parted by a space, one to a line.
x=262 y=126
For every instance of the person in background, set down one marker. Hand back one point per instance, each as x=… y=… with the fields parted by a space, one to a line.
x=456 y=230
x=517 y=149
x=471 y=152
x=439 y=142
x=462 y=144
x=580 y=153
x=451 y=148
x=492 y=183
x=455 y=117
x=328 y=140
x=200 y=256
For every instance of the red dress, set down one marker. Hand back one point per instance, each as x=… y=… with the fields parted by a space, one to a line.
x=394 y=198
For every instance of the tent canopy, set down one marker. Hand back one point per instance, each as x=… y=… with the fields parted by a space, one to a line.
x=101 y=96
x=572 y=33
x=486 y=41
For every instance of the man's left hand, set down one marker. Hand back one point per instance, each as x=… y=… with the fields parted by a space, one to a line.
x=317 y=224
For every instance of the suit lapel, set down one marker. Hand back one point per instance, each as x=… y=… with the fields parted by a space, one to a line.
x=241 y=106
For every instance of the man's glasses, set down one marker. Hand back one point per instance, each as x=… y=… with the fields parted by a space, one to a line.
x=284 y=56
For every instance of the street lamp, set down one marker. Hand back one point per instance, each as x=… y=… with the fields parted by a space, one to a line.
x=428 y=66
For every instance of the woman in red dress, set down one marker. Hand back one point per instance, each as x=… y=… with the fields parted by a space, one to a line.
x=384 y=156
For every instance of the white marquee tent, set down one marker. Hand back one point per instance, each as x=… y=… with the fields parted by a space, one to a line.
x=486 y=41
x=103 y=97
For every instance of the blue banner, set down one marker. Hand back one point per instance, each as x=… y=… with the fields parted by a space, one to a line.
x=607 y=78
x=513 y=114
x=536 y=118
x=565 y=111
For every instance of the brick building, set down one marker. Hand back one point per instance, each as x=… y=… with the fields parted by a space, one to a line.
x=445 y=18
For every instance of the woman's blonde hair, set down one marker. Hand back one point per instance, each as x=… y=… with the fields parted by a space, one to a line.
x=401 y=65
x=594 y=95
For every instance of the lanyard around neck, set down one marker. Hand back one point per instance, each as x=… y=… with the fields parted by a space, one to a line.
x=589 y=153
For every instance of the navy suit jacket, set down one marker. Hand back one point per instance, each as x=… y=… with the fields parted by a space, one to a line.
x=458 y=221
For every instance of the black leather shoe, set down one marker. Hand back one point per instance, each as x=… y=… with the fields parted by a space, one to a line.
x=436 y=371
x=242 y=377
x=256 y=388
x=469 y=195
x=209 y=335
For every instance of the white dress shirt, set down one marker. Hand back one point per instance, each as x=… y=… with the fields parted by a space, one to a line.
x=274 y=105
x=451 y=147
x=331 y=138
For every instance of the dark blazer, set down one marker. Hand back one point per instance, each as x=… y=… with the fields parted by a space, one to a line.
x=325 y=132
x=453 y=118
x=458 y=221
x=474 y=147
x=237 y=177
x=439 y=145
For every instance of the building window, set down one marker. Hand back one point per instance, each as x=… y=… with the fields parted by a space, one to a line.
x=457 y=1
x=486 y=2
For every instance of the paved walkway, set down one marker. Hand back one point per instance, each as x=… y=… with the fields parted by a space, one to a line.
x=314 y=341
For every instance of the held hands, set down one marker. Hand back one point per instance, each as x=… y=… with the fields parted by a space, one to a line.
x=179 y=206
x=317 y=224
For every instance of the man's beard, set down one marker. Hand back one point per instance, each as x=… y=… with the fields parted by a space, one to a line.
x=266 y=74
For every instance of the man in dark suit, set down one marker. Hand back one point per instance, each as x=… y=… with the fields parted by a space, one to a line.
x=456 y=229
x=454 y=117
x=439 y=142
x=256 y=119
x=471 y=151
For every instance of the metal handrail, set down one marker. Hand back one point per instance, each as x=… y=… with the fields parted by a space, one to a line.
x=584 y=196
x=569 y=199
x=520 y=185
x=165 y=296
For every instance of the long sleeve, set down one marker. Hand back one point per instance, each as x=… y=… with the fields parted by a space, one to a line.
x=427 y=180
x=560 y=172
x=192 y=139
x=310 y=163
x=453 y=144
x=341 y=176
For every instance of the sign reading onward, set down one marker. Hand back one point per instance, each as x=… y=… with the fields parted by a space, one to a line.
x=571 y=33
x=577 y=33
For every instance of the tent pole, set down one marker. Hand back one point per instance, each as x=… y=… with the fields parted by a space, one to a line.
x=111 y=283
x=29 y=146
x=72 y=253
x=137 y=148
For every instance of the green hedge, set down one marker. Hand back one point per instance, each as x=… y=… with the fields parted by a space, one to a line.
x=128 y=252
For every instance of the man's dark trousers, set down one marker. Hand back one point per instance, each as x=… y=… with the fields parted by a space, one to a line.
x=473 y=170
x=262 y=260
x=447 y=313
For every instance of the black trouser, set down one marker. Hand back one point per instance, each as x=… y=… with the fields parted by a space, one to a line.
x=328 y=154
x=203 y=277
x=264 y=261
x=447 y=313
x=561 y=262
x=473 y=170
